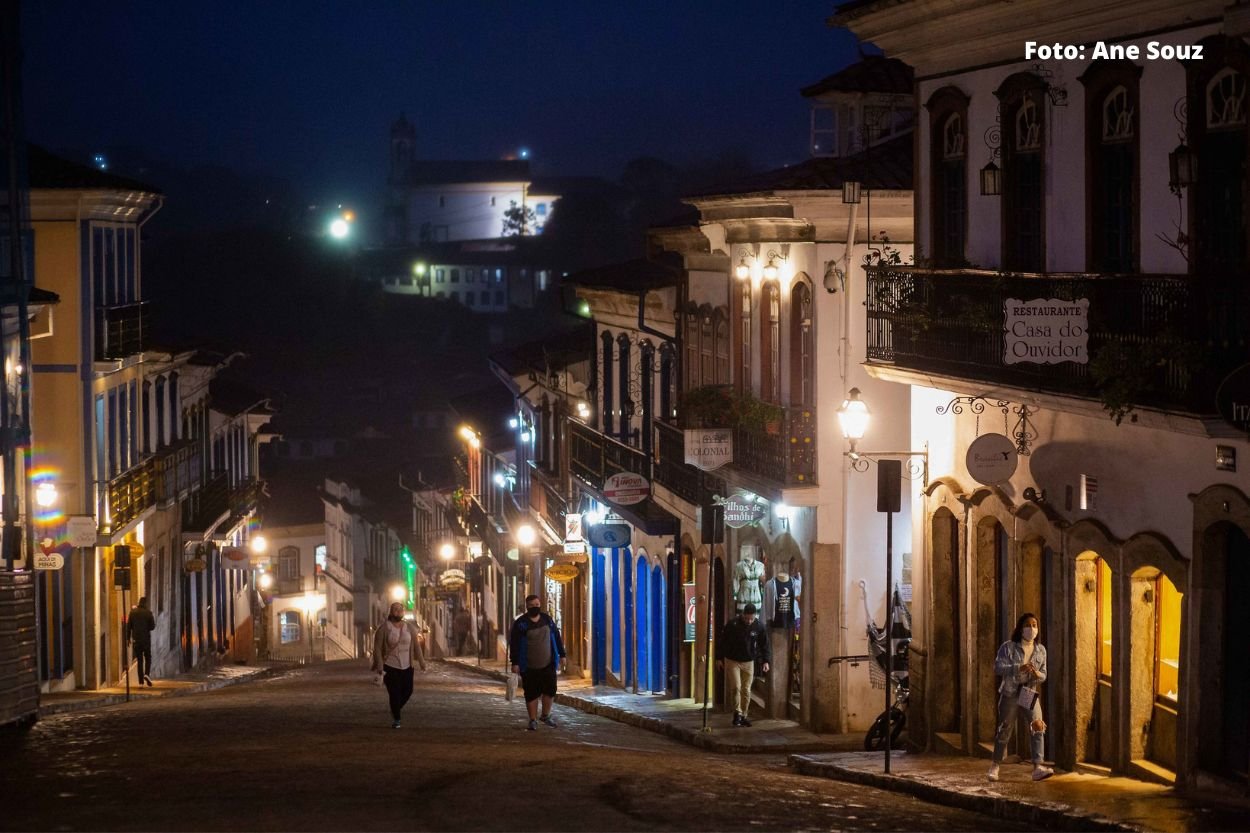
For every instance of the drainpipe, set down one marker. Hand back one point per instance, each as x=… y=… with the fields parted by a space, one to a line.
x=642 y=314
x=843 y=672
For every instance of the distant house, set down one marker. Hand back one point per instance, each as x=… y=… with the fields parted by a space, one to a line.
x=437 y=201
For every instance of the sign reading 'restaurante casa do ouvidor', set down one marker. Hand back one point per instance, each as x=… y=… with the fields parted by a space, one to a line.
x=1046 y=331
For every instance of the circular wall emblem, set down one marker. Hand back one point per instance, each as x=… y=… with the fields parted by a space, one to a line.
x=992 y=459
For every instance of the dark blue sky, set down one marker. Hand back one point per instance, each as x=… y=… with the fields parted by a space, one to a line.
x=307 y=89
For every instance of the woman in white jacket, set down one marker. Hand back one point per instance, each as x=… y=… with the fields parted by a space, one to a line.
x=1021 y=662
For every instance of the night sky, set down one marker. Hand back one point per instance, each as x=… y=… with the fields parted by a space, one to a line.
x=307 y=90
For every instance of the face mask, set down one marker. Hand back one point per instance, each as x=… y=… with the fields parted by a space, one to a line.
x=535 y=611
x=1029 y=634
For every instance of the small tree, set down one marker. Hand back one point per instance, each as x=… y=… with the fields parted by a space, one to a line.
x=518 y=220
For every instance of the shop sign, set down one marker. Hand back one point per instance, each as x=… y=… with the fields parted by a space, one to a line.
x=692 y=610
x=562 y=573
x=452 y=576
x=741 y=511
x=1045 y=331
x=609 y=536
x=626 y=488
x=49 y=561
x=992 y=459
x=573 y=526
x=709 y=448
x=574 y=547
x=1232 y=399
x=136 y=549
x=81 y=530
x=194 y=565
x=236 y=559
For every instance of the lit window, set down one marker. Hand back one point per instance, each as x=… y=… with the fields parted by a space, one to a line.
x=541 y=209
x=1104 y=620
x=498 y=276
x=289 y=626
x=439 y=275
x=1168 y=642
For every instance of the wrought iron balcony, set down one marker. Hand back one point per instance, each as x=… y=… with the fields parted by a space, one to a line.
x=122 y=331
x=689 y=483
x=132 y=492
x=786 y=456
x=208 y=504
x=594 y=457
x=546 y=498
x=1161 y=341
x=178 y=469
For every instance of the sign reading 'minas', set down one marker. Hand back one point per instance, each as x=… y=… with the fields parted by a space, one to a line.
x=1045 y=331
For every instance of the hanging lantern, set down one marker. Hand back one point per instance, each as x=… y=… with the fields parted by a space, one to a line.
x=1182 y=167
x=991 y=180
x=850 y=193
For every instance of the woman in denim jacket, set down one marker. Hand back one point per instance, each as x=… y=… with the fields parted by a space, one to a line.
x=1021 y=662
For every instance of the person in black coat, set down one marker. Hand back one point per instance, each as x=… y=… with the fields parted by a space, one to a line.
x=140 y=625
x=742 y=641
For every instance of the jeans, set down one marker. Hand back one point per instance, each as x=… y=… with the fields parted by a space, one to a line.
x=740 y=675
x=398 y=686
x=1007 y=708
x=143 y=655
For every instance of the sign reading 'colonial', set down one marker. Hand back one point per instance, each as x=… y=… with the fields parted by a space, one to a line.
x=626 y=488
x=992 y=459
x=1045 y=331
x=709 y=448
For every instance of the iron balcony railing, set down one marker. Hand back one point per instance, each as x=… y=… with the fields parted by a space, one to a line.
x=784 y=453
x=122 y=331
x=211 y=502
x=594 y=457
x=671 y=471
x=546 y=498
x=157 y=478
x=1164 y=341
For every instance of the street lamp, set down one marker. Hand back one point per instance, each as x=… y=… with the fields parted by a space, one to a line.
x=266 y=581
x=853 y=418
x=46 y=495
x=398 y=593
x=447 y=551
x=259 y=544
x=526 y=536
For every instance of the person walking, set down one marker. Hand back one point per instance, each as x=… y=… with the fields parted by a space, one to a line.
x=140 y=625
x=743 y=640
x=396 y=646
x=1021 y=662
x=536 y=649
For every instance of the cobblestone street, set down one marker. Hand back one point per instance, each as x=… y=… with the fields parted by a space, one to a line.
x=312 y=749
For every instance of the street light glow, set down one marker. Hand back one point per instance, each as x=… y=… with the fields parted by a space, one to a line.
x=266 y=581
x=500 y=480
x=46 y=495
x=526 y=536
x=259 y=544
x=339 y=228
x=853 y=417
x=447 y=551
x=398 y=593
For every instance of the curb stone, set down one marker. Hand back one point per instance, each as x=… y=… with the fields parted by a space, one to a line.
x=694 y=738
x=1052 y=816
x=89 y=703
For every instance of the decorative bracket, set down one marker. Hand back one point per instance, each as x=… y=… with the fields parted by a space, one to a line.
x=1024 y=433
x=916 y=463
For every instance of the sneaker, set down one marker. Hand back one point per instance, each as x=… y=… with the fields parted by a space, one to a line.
x=533 y=727
x=394 y=724
x=992 y=775
x=1041 y=773
x=148 y=680
x=550 y=721
x=744 y=722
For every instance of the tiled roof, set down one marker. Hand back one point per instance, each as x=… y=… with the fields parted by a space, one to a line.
x=637 y=275
x=46 y=170
x=870 y=74
x=233 y=398
x=449 y=172
x=852 y=9
x=885 y=166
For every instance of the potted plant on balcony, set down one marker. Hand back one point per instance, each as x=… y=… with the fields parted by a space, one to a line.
x=709 y=406
x=756 y=415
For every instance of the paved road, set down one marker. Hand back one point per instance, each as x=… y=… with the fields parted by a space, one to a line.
x=313 y=749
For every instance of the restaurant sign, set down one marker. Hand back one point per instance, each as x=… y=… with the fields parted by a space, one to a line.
x=1045 y=331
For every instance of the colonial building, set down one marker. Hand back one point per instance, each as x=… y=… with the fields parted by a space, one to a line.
x=1080 y=289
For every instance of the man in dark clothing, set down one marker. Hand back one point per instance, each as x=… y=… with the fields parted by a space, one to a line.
x=140 y=624
x=742 y=641
x=536 y=650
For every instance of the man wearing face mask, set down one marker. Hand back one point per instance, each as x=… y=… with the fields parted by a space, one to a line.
x=536 y=650
x=1021 y=662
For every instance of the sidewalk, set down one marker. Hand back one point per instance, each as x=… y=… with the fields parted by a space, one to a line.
x=680 y=719
x=63 y=702
x=1066 y=801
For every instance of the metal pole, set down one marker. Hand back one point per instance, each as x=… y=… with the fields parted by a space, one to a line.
x=709 y=677
x=889 y=631
x=126 y=636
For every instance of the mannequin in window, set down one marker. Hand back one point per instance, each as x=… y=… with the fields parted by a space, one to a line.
x=748 y=580
x=781 y=598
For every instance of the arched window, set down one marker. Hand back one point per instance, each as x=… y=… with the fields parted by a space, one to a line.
x=606 y=382
x=802 y=346
x=646 y=363
x=707 y=346
x=628 y=405
x=1111 y=167
x=720 y=325
x=948 y=131
x=289 y=626
x=288 y=563
x=1217 y=136
x=770 y=344
x=1022 y=100
x=742 y=336
x=690 y=336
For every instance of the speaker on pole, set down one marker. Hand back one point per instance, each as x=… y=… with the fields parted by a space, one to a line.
x=889 y=485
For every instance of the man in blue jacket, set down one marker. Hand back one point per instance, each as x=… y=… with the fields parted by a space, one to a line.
x=536 y=652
